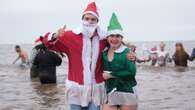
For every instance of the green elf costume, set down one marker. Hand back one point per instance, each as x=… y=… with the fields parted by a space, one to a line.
x=121 y=88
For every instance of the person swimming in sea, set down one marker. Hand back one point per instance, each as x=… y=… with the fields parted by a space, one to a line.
x=159 y=57
x=153 y=56
x=133 y=48
x=21 y=55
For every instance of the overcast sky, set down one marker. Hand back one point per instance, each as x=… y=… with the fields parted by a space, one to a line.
x=21 y=21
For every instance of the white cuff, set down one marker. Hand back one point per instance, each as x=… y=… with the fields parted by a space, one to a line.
x=50 y=36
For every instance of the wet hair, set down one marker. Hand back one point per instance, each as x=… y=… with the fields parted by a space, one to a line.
x=181 y=46
x=180 y=53
x=17 y=47
x=180 y=56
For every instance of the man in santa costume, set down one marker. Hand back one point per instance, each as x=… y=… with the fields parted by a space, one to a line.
x=83 y=46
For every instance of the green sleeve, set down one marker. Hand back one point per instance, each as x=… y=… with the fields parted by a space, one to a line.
x=130 y=70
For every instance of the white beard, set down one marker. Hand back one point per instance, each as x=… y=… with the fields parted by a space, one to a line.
x=88 y=29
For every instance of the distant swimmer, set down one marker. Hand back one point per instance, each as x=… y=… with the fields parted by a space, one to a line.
x=21 y=55
x=153 y=55
x=163 y=55
x=133 y=49
x=159 y=57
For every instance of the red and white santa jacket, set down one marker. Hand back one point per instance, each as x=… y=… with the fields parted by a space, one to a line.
x=85 y=82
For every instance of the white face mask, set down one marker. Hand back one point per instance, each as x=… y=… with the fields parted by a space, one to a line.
x=88 y=29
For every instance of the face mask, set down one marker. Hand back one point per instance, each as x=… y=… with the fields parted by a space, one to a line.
x=88 y=29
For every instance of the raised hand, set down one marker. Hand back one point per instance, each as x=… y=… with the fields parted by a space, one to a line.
x=131 y=56
x=60 y=31
x=107 y=75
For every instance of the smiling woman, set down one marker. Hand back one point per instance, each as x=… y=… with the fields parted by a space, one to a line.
x=119 y=72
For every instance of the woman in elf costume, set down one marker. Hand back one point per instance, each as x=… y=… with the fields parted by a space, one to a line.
x=119 y=72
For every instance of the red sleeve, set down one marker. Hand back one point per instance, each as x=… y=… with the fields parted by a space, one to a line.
x=55 y=45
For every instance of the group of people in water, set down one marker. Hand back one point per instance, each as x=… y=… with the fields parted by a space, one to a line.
x=159 y=57
x=101 y=69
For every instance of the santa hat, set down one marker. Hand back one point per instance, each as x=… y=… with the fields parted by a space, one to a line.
x=38 y=41
x=91 y=9
x=114 y=26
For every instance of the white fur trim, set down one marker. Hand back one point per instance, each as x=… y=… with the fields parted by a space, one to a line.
x=84 y=94
x=77 y=31
x=50 y=36
x=115 y=32
x=91 y=12
x=69 y=83
x=95 y=53
x=86 y=59
x=101 y=33
x=105 y=49
x=89 y=58
x=90 y=54
x=120 y=49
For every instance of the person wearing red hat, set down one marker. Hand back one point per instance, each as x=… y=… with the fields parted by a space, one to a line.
x=153 y=55
x=85 y=85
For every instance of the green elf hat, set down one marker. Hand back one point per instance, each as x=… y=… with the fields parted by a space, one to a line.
x=114 y=26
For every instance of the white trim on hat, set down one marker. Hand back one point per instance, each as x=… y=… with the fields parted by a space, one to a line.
x=120 y=49
x=116 y=31
x=101 y=33
x=91 y=12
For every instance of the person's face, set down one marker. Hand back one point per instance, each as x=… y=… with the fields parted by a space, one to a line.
x=178 y=48
x=17 y=50
x=162 y=46
x=91 y=19
x=114 y=40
